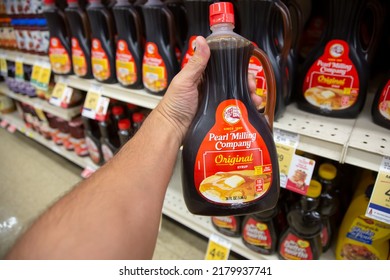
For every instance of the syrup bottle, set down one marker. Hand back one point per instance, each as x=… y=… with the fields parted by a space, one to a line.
x=103 y=42
x=380 y=109
x=160 y=63
x=228 y=225
x=59 y=48
x=302 y=240
x=230 y=164
x=179 y=14
x=260 y=231
x=109 y=139
x=92 y=139
x=329 y=203
x=81 y=39
x=129 y=49
x=198 y=25
x=334 y=77
x=124 y=131
x=258 y=20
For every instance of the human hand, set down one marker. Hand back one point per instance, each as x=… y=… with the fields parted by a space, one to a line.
x=181 y=100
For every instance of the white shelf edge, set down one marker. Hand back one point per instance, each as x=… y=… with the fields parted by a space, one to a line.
x=175 y=208
x=25 y=57
x=15 y=120
x=368 y=142
x=66 y=114
x=115 y=91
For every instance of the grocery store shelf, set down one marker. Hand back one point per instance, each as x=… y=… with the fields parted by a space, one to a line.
x=115 y=91
x=15 y=120
x=175 y=208
x=25 y=57
x=319 y=135
x=66 y=114
x=368 y=142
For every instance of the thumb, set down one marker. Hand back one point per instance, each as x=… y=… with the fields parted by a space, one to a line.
x=197 y=63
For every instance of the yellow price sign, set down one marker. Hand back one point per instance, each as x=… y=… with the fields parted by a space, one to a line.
x=41 y=115
x=58 y=90
x=19 y=72
x=286 y=143
x=379 y=205
x=91 y=101
x=44 y=77
x=3 y=66
x=36 y=72
x=218 y=248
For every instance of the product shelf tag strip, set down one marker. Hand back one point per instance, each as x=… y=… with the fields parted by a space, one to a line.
x=218 y=248
x=286 y=145
x=3 y=66
x=295 y=171
x=379 y=205
x=19 y=71
x=95 y=105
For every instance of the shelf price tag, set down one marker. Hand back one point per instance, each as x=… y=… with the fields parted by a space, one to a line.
x=95 y=105
x=286 y=145
x=36 y=72
x=379 y=205
x=295 y=171
x=3 y=123
x=19 y=71
x=218 y=248
x=87 y=172
x=3 y=66
x=61 y=95
x=44 y=77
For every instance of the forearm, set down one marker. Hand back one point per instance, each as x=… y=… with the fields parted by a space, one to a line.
x=97 y=220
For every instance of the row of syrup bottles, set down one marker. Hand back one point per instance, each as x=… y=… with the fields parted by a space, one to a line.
x=299 y=227
x=111 y=42
x=105 y=138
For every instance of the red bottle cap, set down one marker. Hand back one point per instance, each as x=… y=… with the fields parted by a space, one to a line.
x=221 y=12
x=138 y=117
x=117 y=110
x=131 y=106
x=49 y=1
x=124 y=124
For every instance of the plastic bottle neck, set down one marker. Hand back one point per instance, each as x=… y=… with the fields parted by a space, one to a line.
x=222 y=27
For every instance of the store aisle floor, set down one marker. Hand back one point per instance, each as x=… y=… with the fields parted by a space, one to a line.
x=33 y=177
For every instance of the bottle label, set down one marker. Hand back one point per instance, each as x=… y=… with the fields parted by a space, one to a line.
x=125 y=66
x=256 y=69
x=80 y=146
x=229 y=222
x=154 y=72
x=332 y=82
x=295 y=248
x=257 y=234
x=78 y=59
x=190 y=51
x=107 y=153
x=59 y=57
x=93 y=150
x=100 y=64
x=233 y=164
x=384 y=101
x=362 y=237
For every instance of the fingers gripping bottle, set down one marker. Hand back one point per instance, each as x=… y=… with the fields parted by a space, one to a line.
x=160 y=63
x=230 y=165
x=103 y=42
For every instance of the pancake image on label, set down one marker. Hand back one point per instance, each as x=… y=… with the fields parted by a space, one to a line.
x=235 y=186
x=330 y=98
